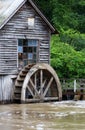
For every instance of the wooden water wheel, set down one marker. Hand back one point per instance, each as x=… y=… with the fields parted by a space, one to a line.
x=39 y=84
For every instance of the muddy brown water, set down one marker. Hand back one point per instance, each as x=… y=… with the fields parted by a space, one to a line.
x=67 y=115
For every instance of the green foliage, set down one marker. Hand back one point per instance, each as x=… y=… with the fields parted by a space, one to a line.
x=67 y=49
x=69 y=14
x=45 y=7
x=67 y=62
x=74 y=38
x=64 y=13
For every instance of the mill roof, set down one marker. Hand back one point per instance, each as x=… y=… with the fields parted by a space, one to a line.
x=8 y=8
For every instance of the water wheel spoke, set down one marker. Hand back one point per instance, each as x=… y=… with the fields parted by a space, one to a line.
x=34 y=87
x=30 y=90
x=41 y=81
x=48 y=86
x=42 y=86
x=35 y=81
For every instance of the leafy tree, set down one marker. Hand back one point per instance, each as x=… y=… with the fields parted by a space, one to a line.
x=69 y=14
x=45 y=7
x=67 y=62
x=74 y=38
x=67 y=49
x=64 y=13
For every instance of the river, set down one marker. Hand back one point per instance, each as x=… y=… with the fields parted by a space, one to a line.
x=65 y=115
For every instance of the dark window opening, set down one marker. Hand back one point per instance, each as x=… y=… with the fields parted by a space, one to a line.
x=27 y=52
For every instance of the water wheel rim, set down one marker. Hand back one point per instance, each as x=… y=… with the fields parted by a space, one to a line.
x=40 y=67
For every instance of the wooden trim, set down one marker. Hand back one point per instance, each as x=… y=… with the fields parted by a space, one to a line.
x=49 y=47
x=37 y=58
x=17 y=55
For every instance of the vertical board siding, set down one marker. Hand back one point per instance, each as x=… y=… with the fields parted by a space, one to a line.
x=6 y=88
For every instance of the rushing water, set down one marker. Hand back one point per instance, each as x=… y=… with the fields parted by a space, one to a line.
x=68 y=115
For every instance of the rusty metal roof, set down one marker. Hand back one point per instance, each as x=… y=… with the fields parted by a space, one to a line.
x=9 y=7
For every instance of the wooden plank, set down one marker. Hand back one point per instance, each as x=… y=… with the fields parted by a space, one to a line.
x=39 y=100
x=41 y=82
x=34 y=88
x=30 y=90
x=42 y=86
x=48 y=86
x=35 y=82
x=51 y=99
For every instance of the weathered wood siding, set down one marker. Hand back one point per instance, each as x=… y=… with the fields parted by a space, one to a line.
x=17 y=28
x=8 y=56
x=6 y=88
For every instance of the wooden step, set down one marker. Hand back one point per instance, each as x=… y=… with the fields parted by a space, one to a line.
x=22 y=75
x=17 y=100
x=17 y=95
x=20 y=79
x=19 y=82
x=17 y=91
x=27 y=68
x=18 y=88
x=25 y=71
x=18 y=85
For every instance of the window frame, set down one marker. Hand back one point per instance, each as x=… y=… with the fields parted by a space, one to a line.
x=35 y=53
x=31 y=22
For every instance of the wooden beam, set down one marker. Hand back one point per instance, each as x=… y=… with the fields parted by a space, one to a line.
x=48 y=86
x=35 y=82
x=43 y=84
x=41 y=80
x=30 y=91
x=34 y=87
x=51 y=99
x=38 y=100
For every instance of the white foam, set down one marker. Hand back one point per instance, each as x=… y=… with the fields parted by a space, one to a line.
x=76 y=104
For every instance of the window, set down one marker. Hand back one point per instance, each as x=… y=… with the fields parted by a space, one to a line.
x=30 y=56
x=27 y=52
x=31 y=22
x=32 y=43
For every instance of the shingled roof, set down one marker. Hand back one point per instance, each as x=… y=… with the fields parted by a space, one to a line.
x=10 y=7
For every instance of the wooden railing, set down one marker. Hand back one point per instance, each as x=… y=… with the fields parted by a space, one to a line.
x=72 y=84
x=72 y=87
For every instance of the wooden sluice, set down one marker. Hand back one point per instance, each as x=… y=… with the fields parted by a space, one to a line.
x=69 y=94
x=73 y=89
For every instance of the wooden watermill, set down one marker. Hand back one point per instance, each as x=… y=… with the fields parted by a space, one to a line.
x=25 y=38
x=37 y=83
